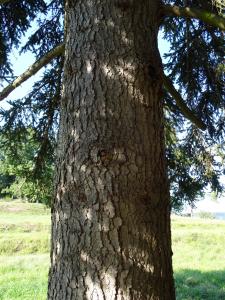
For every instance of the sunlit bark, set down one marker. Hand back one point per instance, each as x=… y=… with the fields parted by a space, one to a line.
x=111 y=211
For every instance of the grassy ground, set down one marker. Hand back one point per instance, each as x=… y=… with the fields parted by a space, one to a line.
x=199 y=258
x=198 y=246
x=24 y=247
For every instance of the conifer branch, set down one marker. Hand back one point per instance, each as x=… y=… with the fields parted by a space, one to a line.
x=189 y=114
x=196 y=13
x=3 y=1
x=32 y=70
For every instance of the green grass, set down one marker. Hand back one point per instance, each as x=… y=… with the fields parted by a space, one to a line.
x=198 y=246
x=24 y=228
x=199 y=258
x=23 y=277
x=24 y=248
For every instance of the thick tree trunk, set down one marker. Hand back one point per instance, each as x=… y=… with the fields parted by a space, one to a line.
x=111 y=212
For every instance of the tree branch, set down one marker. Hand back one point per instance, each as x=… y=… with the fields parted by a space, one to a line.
x=196 y=13
x=190 y=115
x=3 y=1
x=33 y=69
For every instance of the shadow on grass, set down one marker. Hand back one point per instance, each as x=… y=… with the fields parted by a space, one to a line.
x=197 y=285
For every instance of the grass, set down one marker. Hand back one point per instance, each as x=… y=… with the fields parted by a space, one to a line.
x=24 y=247
x=199 y=258
x=198 y=246
x=23 y=277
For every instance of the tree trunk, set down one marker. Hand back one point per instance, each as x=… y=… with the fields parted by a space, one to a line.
x=111 y=211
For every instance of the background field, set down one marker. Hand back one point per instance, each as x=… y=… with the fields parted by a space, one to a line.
x=198 y=247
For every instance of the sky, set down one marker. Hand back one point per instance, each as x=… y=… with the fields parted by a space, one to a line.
x=210 y=205
x=22 y=62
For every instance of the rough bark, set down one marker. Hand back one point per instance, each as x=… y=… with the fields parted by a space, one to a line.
x=111 y=211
